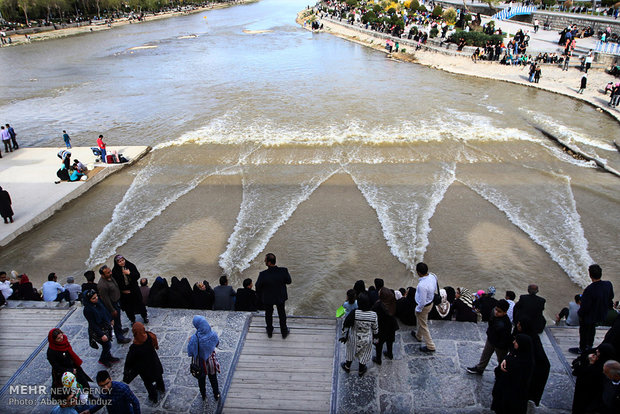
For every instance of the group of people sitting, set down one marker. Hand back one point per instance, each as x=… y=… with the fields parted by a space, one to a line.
x=68 y=171
x=19 y=287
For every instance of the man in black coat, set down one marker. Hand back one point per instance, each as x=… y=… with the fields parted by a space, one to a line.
x=499 y=338
x=271 y=290
x=247 y=301
x=531 y=307
x=596 y=301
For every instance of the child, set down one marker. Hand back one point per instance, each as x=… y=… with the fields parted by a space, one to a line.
x=351 y=303
x=498 y=338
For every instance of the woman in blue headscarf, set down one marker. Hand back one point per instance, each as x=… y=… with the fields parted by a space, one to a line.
x=202 y=345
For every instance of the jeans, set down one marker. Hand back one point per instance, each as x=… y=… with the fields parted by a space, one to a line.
x=102 y=154
x=106 y=355
x=487 y=352
x=202 y=382
x=7 y=146
x=281 y=316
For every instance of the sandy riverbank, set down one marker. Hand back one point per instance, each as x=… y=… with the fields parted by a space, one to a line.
x=553 y=79
x=18 y=39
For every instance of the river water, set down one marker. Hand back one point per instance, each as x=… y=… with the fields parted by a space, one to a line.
x=347 y=165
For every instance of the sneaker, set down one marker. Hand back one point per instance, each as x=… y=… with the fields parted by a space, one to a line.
x=474 y=370
x=347 y=368
x=362 y=370
x=415 y=336
x=424 y=348
x=269 y=334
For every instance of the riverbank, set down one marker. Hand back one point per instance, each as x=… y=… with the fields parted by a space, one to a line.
x=553 y=79
x=18 y=39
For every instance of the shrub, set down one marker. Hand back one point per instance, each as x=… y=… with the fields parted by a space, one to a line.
x=377 y=9
x=369 y=17
x=351 y=3
x=415 y=5
x=477 y=39
x=403 y=50
x=391 y=10
x=433 y=33
x=437 y=11
x=449 y=15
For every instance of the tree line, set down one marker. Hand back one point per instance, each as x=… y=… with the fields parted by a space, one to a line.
x=62 y=11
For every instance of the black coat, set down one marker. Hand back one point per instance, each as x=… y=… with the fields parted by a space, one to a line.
x=142 y=360
x=271 y=285
x=510 y=390
x=531 y=307
x=132 y=300
x=405 y=309
x=98 y=319
x=180 y=293
x=485 y=305
x=158 y=296
x=588 y=385
x=247 y=300
x=5 y=204
x=499 y=332
x=541 y=370
x=463 y=313
x=202 y=299
x=387 y=323
x=61 y=362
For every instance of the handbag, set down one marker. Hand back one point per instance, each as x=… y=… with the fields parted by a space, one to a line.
x=196 y=367
x=437 y=296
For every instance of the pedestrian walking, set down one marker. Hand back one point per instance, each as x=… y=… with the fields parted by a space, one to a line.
x=13 y=136
x=584 y=82
x=99 y=327
x=6 y=211
x=66 y=138
x=566 y=62
x=362 y=326
x=6 y=139
x=201 y=348
x=142 y=360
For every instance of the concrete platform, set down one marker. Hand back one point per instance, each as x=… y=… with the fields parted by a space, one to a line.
x=28 y=174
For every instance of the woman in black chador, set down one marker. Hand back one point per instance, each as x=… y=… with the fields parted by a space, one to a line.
x=6 y=211
x=513 y=377
x=126 y=276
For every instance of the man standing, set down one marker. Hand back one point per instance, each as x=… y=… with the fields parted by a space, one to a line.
x=6 y=139
x=13 y=135
x=531 y=307
x=536 y=25
x=110 y=295
x=66 y=138
x=271 y=289
x=53 y=291
x=101 y=146
x=424 y=298
x=596 y=301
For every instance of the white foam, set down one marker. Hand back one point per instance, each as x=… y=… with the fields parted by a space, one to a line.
x=404 y=209
x=266 y=207
x=551 y=220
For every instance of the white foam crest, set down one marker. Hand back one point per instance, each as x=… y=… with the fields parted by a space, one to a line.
x=264 y=208
x=141 y=204
x=566 y=134
x=543 y=207
x=230 y=130
x=404 y=209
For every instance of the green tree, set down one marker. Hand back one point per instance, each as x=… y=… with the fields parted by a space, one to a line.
x=492 y=4
x=369 y=17
x=25 y=5
x=437 y=11
x=449 y=15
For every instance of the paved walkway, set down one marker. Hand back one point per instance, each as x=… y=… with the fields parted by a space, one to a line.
x=28 y=174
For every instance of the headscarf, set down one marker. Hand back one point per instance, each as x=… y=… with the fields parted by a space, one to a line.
x=359 y=287
x=606 y=352
x=363 y=302
x=140 y=334
x=205 y=336
x=444 y=307
x=63 y=346
x=388 y=300
x=397 y=294
x=23 y=279
x=466 y=297
x=451 y=294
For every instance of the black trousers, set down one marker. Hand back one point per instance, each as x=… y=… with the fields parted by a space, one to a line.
x=132 y=306
x=202 y=384
x=152 y=385
x=379 y=348
x=586 y=335
x=281 y=316
x=7 y=146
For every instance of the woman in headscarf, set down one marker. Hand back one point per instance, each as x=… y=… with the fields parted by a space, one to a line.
x=359 y=287
x=158 y=296
x=442 y=311
x=202 y=346
x=63 y=172
x=541 y=362
x=127 y=276
x=24 y=290
x=142 y=360
x=62 y=358
x=513 y=377
x=180 y=293
x=362 y=327
x=588 y=368
x=405 y=308
x=463 y=306
x=385 y=308
x=451 y=294
x=202 y=296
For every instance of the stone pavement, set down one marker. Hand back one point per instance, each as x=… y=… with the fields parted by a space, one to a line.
x=415 y=382
x=173 y=328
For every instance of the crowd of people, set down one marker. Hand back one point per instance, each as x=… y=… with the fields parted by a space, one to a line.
x=513 y=335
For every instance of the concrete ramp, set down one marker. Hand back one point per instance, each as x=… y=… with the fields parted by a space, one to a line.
x=284 y=375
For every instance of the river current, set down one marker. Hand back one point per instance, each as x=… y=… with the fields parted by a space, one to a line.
x=345 y=164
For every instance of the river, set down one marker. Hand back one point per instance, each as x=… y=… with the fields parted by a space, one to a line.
x=347 y=165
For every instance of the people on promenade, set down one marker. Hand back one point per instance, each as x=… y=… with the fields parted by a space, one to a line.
x=54 y=291
x=424 y=295
x=90 y=281
x=13 y=136
x=142 y=360
x=405 y=307
x=73 y=289
x=596 y=301
x=6 y=139
x=202 y=296
x=180 y=293
x=65 y=166
x=202 y=347
x=443 y=310
x=486 y=304
x=359 y=329
x=499 y=337
x=271 y=290
x=583 y=84
x=246 y=299
x=6 y=208
x=571 y=313
x=23 y=289
x=99 y=327
x=63 y=359
x=351 y=303
x=510 y=298
x=101 y=146
x=541 y=362
x=531 y=306
x=512 y=378
x=588 y=370
x=110 y=296
x=224 y=295
x=464 y=306
x=385 y=308
x=66 y=138
x=5 y=286
x=158 y=296
x=126 y=275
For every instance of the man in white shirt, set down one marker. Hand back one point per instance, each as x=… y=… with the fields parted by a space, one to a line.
x=53 y=291
x=424 y=298
x=5 y=286
x=510 y=298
